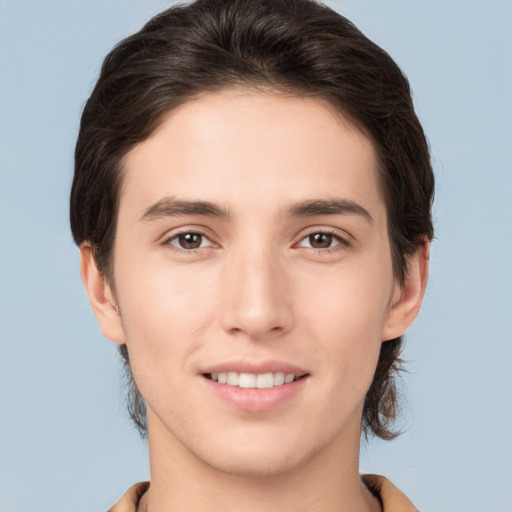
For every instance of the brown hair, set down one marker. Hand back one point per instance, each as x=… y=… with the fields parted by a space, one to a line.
x=294 y=46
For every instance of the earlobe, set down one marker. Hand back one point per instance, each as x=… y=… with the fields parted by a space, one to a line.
x=100 y=294
x=406 y=305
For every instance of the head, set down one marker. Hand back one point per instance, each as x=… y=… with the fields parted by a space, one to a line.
x=288 y=48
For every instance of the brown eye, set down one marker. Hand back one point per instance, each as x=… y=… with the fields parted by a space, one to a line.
x=188 y=241
x=320 y=240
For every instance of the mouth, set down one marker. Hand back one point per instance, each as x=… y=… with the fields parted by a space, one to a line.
x=254 y=380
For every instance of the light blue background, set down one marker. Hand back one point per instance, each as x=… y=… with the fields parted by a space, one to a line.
x=65 y=443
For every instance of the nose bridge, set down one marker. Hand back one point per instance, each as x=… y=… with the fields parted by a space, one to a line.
x=256 y=291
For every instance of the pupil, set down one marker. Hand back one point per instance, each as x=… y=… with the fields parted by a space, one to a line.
x=190 y=240
x=320 y=240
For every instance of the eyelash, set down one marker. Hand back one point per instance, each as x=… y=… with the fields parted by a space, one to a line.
x=342 y=242
x=175 y=236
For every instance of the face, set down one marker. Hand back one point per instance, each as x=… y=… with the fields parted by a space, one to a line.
x=253 y=279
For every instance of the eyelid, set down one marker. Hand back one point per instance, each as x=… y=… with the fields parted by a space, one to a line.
x=344 y=239
x=175 y=233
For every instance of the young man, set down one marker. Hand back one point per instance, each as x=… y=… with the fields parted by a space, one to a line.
x=252 y=199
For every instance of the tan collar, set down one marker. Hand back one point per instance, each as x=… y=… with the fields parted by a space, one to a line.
x=391 y=498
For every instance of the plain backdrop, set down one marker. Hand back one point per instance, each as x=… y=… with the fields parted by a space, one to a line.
x=65 y=441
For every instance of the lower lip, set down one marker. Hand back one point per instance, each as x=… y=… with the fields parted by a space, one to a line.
x=256 y=400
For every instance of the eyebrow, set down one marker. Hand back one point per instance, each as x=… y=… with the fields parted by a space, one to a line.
x=329 y=207
x=171 y=207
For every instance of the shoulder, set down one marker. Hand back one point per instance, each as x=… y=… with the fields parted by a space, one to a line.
x=130 y=500
x=391 y=497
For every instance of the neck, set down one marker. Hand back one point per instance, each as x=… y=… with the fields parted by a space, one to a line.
x=328 y=481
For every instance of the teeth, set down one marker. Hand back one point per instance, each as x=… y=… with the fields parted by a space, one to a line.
x=252 y=380
x=233 y=379
x=288 y=378
x=265 y=380
x=279 y=378
x=247 y=380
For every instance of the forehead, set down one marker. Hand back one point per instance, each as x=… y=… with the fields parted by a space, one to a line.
x=247 y=147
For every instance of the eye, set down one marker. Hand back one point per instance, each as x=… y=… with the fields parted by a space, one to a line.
x=322 y=240
x=189 y=241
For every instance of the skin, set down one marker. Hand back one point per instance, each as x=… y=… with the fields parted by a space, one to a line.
x=264 y=283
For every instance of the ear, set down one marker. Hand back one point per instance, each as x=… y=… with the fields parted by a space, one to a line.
x=407 y=298
x=100 y=295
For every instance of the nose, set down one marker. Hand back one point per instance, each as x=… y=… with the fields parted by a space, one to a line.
x=257 y=295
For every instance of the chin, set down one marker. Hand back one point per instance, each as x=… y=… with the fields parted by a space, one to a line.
x=253 y=465
x=260 y=454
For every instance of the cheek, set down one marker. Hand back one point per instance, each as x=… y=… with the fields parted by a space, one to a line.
x=345 y=315
x=352 y=302
x=164 y=316
x=164 y=319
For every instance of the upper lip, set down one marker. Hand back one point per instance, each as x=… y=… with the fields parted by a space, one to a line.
x=243 y=366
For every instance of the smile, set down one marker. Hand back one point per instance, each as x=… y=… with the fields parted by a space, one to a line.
x=253 y=380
